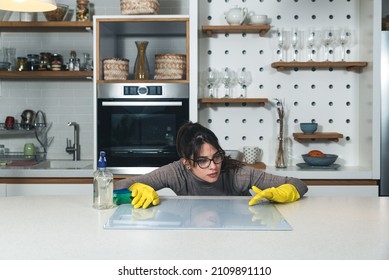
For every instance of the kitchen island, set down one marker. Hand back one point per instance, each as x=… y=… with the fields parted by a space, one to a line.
x=67 y=227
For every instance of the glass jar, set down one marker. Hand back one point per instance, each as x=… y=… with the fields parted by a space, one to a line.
x=21 y=64
x=32 y=62
x=44 y=63
x=56 y=62
x=83 y=10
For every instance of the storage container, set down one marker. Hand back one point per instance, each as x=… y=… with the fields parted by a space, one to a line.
x=116 y=68
x=170 y=66
x=139 y=7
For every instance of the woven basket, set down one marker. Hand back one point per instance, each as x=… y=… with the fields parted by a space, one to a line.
x=170 y=66
x=116 y=68
x=139 y=7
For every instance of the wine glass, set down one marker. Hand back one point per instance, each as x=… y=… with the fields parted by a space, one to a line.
x=328 y=39
x=344 y=39
x=244 y=80
x=212 y=78
x=313 y=41
x=283 y=43
x=297 y=41
x=228 y=78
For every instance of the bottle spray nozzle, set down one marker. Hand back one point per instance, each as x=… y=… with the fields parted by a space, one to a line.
x=102 y=163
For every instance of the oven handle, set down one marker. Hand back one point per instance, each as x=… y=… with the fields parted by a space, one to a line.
x=141 y=103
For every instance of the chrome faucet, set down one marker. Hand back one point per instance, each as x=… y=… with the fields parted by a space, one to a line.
x=75 y=149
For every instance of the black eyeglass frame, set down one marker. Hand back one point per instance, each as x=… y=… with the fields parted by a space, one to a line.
x=209 y=160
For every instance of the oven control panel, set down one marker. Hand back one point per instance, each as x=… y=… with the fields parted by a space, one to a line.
x=142 y=90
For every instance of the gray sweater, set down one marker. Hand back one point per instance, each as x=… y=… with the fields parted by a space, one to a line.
x=234 y=182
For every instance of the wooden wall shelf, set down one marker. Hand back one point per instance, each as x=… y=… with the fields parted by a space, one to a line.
x=46 y=26
x=210 y=101
x=332 y=136
x=20 y=75
x=215 y=29
x=258 y=165
x=349 y=66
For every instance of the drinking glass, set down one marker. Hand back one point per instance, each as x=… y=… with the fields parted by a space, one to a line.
x=244 y=80
x=329 y=37
x=313 y=42
x=228 y=78
x=283 y=43
x=10 y=56
x=212 y=78
x=297 y=42
x=344 y=39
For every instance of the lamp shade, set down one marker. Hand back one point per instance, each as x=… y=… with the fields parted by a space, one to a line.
x=28 y=5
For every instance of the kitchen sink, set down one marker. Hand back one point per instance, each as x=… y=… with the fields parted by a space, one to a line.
x=65 y=164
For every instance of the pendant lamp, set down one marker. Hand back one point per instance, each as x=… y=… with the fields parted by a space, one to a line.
x=28 y=5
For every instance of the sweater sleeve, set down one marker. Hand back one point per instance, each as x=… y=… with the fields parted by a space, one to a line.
x=167 y=176
x=263 y=180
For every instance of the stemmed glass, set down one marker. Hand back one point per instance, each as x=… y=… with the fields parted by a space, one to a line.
x=244 y=80
x=212 y=78
x=344 y=39
x=329 y=38
x=297 y=40
x=313 y=41
x=228 y=78
x=283 y=43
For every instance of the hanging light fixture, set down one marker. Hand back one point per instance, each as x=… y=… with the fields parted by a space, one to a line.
x=28 y=5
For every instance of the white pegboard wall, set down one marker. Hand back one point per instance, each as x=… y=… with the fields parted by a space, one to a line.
x=329 y=97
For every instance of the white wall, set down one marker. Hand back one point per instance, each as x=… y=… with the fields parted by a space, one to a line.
x=337 y=100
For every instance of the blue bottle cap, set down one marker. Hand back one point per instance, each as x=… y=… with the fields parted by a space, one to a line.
x=102 y=163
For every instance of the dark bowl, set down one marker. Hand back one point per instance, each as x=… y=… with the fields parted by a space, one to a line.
x=328 y=159
x=308 y=128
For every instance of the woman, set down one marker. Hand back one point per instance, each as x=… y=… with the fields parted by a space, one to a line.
x=203 y=169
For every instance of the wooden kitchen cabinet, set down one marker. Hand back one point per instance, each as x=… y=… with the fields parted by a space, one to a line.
x=116 y=37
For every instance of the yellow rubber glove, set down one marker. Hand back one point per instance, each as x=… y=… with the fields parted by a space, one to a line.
x=143 y=195
x=284 y=193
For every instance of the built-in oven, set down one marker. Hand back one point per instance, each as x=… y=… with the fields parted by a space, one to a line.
x=137 y=124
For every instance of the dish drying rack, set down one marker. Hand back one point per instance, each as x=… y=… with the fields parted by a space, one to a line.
x=40 y=131
x=11 y=157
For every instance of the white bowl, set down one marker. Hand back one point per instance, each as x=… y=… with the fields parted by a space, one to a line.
x=258 y=19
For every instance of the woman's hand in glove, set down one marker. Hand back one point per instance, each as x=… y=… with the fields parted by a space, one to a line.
x=143 y=195
x=284 y=193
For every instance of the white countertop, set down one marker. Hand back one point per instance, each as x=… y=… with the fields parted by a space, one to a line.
x=51 y=168
x=68 y=227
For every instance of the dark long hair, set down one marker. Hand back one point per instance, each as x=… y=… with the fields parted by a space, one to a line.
x=190 y=138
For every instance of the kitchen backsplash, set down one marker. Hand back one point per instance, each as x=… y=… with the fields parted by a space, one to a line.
x=61 y=100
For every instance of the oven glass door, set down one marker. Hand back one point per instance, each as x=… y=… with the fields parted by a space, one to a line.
x=141 y=132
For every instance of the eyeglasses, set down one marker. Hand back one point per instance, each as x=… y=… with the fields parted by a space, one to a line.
x=204 y=162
